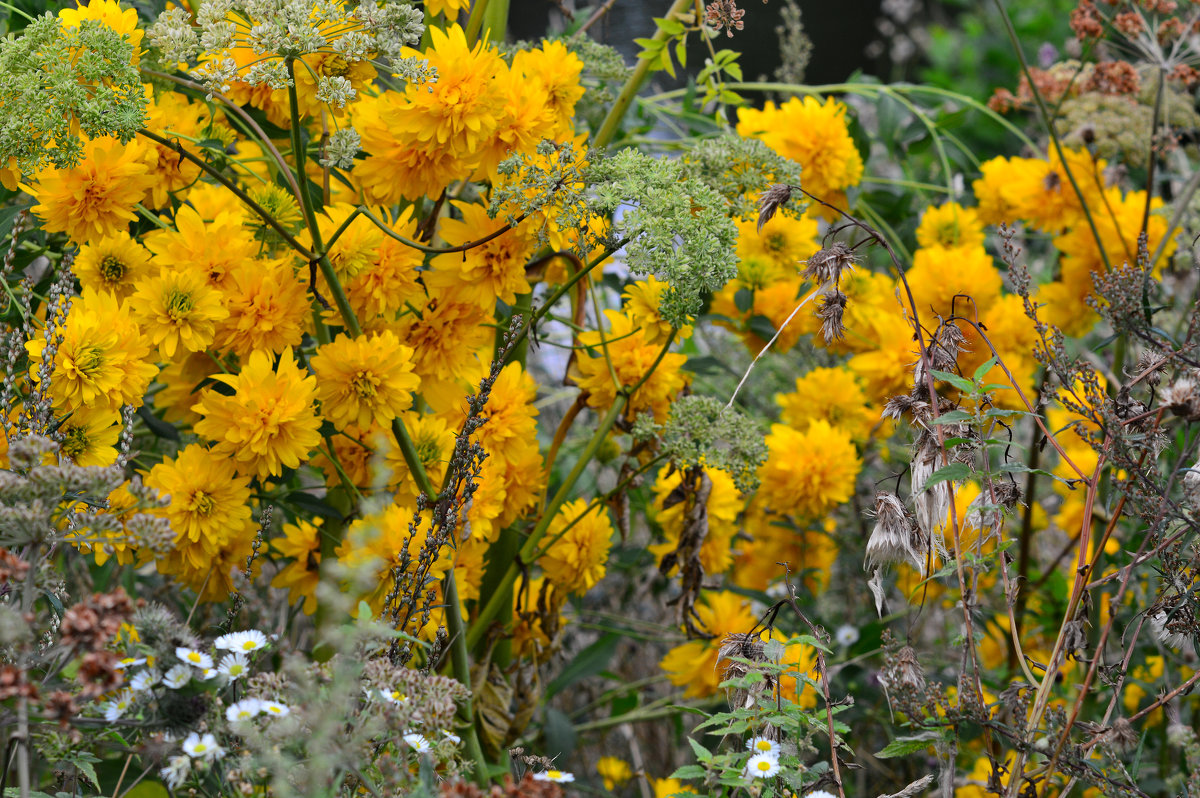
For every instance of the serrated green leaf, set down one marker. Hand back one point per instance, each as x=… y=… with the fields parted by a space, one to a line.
x=689 y=772
x=903 y=746
x=702 y=753
x=961 y=383
x=953 y=472
x=954 y=417
x=984 y=368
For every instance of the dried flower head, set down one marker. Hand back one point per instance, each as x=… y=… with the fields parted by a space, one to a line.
x=1182 y=398
x=740 y=654
x=893 y=539
x=830 y=309
x=770 y=201
x=827 y=265
x=724 y=14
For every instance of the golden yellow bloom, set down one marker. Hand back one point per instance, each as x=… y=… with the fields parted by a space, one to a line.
x=178 y=310
x=364 y=381
x=666 y=788
x=694 y=664
x=103 y=542
x=575 y=560
x=269 y=423
x=809 y=551
x=510 y=412
x=110 y=13
x=314 y=65
x=774 y=303
x=355 y=248
x=176 y=118
x=449 y=8
x=632 y=358
x=268 y=308
x=723 y=505
x=89 y=436
x=210 y=514
x=445 y=339
x=302 y=542
x=886 y=368
x=384 y=287
x=614 y=771
x=210 y=250
x=950 y=225
x=812 y=133
x=112 y=264
x=381 y=540
x=482 y=274
x=180 y=380
x=399 y=165
x=642 y=300
x=101 y=361
x=461 y=110
x=433 y=439
x=93 y=199
x=808 y=473
x=939 y=274
x=828 y=394
x=785 y=241
x=558 y=72
x=523 y=124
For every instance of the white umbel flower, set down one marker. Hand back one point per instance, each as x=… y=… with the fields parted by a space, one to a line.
x=762 y=766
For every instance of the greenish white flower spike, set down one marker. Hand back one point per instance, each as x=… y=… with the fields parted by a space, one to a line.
x=341 y=148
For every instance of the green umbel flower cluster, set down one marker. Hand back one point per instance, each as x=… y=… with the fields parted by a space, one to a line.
x=703 y=431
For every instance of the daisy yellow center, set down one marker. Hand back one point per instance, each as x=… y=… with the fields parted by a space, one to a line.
x=764 y=766
x=554 y=774
x=203 y=504
x=763 y=745
x=179 y=304
x=364 y=384
x=248 y=645
x=201 y=748
x=335 y=66
x=112 y=269
x=193 y=657
x=75 y=442
x=89 y=361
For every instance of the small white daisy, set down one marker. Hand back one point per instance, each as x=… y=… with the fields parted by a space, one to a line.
x=176 y=771
x=761 y=745
x=130 y=662
x=193 y=657
x=207 y=674
x=820 y=794
x=846 y=635
x=275 y=708
x=235 y=666
x=762 y=766
x=559 y=776
x=452 y=737
x=417 y=742
x=247 y=641
x=245 y=709
x=144 y=680
x=177 y=677
x=118 y=706
x=205 y=747
x=393 y=696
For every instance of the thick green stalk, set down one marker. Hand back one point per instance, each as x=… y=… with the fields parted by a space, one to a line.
x=502 y=594
x=475 y=21
x=495 y=21
x=461 y=663
x=620 y=107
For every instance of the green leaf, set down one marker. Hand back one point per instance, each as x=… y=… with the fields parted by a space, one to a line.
x=148 y=789
x=681 y=52
x=665 y=62
x=671 y=27
x=954 y=417
x=961 y=383
x=984 y=368
x=702 y=753
x=689 y=772
x=903 y=746
x=954 y=471
x=7 y=217
x=160 y=428
x=588 y=662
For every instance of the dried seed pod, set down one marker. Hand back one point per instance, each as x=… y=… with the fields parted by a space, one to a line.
x=830 y=308
x=893 y=539
x=770 y=201
x=827 y=265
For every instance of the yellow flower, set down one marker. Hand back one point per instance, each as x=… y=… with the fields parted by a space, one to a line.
x=302 y=542
x=176 y=118
x=364 y=381
x=558 y=72
x=209 y=512
x=101 y=359
x=381 y=541
x=310 y=67
x=390 y=281
x=614 y=771
x=445 y=338
x=482 y=274
x=808 y=473
x=940 y=274
x=828 y=394
x=209 y=250
x=950 y=225
x=461 y=110
x=773 y=303
x=642 y=300
x=784 y=241
x=632 y=358
x=93 y=199
x=694 y=664
x=355 y=248
x=104 y=541
x=112 y=264
x=268 y=308
x=886 y=369
x=448 y=8
x=269 y=422
x=510 y=412
x=178 y=310
x=398 y=165
x=666 y=788
x=575 y=560
x=812 y=133
x=89 y=436
x=110 y=13
x=433 y=439
x=523 y=124
x=723 y=505
x=180 y=379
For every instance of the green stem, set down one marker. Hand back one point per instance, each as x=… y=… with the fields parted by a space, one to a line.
x=495 y=20
x=620 y=107
x=461 y=663
x=489 y=610
x=475 y=21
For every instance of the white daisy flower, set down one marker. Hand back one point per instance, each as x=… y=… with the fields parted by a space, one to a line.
x=207 y=674
x=275 y=708
x=235 y=666
x=452 y=737
x=761 y=745
x=820 y=794
x=176 y=771
x=245 y=709
x=177 y=677
x=247 y=641
x=193 y=657
x=205 y=747
x=846 y=635
x=144 y=680
x=130 y=662
x=762 y=766
x=417 y=742
x=118 y=706
x=393 y=696
x=559 y=776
